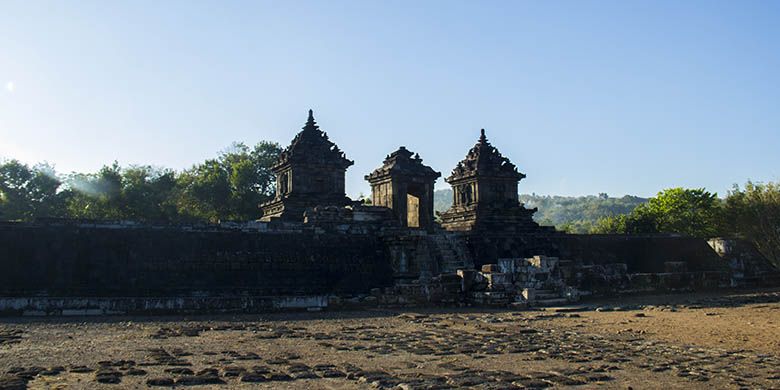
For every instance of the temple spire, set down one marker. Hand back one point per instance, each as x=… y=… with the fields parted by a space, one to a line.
x=310 y=123
x=482 y=137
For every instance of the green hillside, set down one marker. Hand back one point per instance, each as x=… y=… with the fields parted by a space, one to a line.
x=575 y=214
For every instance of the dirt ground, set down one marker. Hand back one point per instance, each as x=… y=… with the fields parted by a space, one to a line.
x=727 y=340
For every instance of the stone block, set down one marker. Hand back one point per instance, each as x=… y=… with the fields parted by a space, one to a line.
x=675 y=266
x=499 y=281
x=519 y=305
x=543 y=262
x=496 y=294
x=529 y=294
x=509 y=265
x=643 y=281
x=488 y=268
x=541 y=276
x=468 y=277
x=571 y=294
x=480 y=282
x=453 y=277
x=674 y=280
x=451 y=289
x=389 y=299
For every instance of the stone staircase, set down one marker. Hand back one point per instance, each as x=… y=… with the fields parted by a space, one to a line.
x=451 y=252
x=548 y=298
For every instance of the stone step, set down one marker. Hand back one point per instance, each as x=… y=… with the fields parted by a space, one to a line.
x=446 y=248
x=550 y=302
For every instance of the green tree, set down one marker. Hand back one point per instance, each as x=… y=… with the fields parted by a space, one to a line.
x=28 y=193
x=610 y=225
x=148 y=194
x=638 y=221
x=96 y=195
x=205 y=192
x=754 y=214
x=575 y=214
x=251 y=179
x=692 y=212
x=230 y=186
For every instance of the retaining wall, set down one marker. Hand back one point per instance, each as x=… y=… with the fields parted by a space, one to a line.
x=74 y=260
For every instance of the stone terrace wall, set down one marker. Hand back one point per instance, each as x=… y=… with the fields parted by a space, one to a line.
x=641 y=253
x=101 y=260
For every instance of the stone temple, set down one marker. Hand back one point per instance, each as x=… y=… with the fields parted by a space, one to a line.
x=405 y=185
x=310 y=172
x=312 y=246
x=484 y=189
x=485 y=212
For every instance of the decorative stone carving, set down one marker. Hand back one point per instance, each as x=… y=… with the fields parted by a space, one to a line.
x=484 y=187
x=309 y=172
x=405 y=185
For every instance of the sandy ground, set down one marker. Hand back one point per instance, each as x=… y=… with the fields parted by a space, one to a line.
x=675 y=341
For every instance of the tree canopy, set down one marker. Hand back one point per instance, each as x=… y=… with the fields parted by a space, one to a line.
x=29 y=192
x=753 y=213
x=574 y=214
x=692 y=212
x=228 y=187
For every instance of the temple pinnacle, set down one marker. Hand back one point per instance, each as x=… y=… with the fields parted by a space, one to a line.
x=482 y=137
x=310 y=123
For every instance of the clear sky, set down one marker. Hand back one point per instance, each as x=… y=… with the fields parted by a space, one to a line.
x=624 y=97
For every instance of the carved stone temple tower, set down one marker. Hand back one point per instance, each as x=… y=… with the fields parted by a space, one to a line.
x=309 y=172
x=405 y=185
x=484 y=188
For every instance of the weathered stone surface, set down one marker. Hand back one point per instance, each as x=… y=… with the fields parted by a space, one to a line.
x=148 y=261
x=484 y=187
x=405 y=185
x=162 y=382
x=197 y=380
x=309 y=173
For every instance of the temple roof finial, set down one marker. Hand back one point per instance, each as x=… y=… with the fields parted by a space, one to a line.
x=310 y=123
x=482 y=137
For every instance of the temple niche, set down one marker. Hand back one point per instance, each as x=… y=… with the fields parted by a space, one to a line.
x=309 y=173
x=405 y=185
x=484 y=190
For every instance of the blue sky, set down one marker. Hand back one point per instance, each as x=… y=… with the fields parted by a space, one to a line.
x=625 y=97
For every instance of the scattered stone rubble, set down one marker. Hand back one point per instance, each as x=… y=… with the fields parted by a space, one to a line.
x=451 y=345
x=537 y=281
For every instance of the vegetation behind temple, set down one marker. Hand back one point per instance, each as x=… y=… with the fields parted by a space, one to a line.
x=232 y=185
x=575 y=214
x=228 y=187
x=751 y=213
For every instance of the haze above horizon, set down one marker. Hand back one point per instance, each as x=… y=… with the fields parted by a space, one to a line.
x=585 y=97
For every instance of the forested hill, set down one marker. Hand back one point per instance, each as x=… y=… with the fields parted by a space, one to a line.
x=571 y=213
